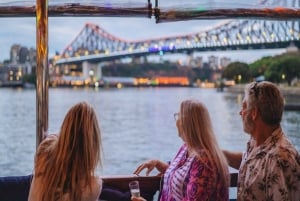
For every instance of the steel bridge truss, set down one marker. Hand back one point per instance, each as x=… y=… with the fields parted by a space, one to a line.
x=231 y=34
x=252 y=33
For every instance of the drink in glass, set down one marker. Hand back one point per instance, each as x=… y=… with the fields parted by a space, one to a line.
x=134 y=188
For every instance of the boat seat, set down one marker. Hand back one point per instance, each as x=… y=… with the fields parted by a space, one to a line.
x=115 y=188
x=16 y=188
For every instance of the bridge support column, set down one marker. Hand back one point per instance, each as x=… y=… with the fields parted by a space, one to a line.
x=190 y=58
x=99 y=72
x=292 y=48
x=91 y=71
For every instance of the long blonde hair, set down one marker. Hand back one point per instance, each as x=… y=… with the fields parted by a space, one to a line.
x=198 y=134
x=74 y=157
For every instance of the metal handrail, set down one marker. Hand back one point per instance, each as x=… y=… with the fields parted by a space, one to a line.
x=149 y=184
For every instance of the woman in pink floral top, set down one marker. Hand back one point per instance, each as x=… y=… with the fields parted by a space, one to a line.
x=199 y=170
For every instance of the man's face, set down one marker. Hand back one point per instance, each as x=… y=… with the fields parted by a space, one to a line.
x=246 y=117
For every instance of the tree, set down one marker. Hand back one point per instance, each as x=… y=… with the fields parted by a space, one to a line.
x=29 y=78
x=259 y=67
x=237 y=71
x=272 y=73
x=290 y=68
x=284 y=68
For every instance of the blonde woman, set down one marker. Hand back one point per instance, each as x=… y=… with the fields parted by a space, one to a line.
x=199 y=170
x=65 y=164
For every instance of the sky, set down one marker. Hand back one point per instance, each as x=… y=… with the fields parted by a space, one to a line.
x=62 y=31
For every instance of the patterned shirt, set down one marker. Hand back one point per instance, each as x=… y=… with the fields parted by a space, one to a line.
x=271 y=171
x=193 y=179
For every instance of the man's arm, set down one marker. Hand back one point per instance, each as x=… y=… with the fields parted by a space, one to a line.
x=234 y=158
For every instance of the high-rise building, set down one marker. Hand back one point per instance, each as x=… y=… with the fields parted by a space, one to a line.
x=14 y=53
x=213 y=62
x=224 y=61
x=23 y=57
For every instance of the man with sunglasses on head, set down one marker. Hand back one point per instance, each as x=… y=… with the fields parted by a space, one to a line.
x=269 y=169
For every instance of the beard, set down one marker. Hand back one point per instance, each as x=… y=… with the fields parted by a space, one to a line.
x=248 y=123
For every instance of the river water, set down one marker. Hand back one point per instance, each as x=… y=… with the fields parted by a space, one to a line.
x=137 y=124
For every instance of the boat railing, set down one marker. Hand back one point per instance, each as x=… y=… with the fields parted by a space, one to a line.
x=115 y=187
x=150 y=185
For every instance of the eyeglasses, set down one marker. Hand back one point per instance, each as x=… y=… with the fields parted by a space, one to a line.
x=255 y=89
x=176 y=116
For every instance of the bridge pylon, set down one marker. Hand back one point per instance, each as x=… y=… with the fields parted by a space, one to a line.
x=91 y=71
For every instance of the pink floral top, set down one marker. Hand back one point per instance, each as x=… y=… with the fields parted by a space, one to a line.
x=192 y=179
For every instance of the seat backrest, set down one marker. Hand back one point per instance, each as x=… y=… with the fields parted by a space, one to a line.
x=15 y=188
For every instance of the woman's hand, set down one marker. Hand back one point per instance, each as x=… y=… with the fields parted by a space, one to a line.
x=137 y=199
x=150 y=165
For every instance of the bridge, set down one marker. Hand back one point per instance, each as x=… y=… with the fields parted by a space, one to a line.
x=271 y=28
x=269 y=24
x=94 y=44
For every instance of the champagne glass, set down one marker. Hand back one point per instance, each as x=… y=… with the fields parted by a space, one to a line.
x=134 y=188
